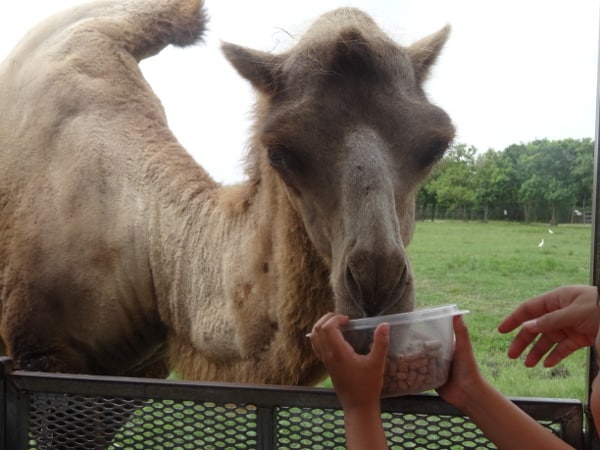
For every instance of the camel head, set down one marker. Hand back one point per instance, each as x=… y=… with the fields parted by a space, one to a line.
x=345 y=127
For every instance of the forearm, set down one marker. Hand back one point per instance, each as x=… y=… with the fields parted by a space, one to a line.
x=364 y=429
x=505 y=424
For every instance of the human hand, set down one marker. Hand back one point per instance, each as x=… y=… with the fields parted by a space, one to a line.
x=464 y=376
x=562 y=320
x=357 y=379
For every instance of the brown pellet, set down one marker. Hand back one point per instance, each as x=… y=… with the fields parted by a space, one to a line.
x=418 y=369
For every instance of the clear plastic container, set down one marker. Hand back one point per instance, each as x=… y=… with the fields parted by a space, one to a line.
x=420 y=351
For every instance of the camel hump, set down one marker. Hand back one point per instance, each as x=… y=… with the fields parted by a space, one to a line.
x=147 y=26
x=141 y=27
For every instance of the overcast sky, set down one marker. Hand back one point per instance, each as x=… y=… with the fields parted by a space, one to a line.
x=513 y=70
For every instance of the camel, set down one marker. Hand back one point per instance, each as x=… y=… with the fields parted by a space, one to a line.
x=120 y=255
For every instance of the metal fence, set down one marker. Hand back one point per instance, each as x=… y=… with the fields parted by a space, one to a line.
x=60 y=411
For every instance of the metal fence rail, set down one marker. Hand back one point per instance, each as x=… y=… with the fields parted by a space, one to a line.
x=59 y=411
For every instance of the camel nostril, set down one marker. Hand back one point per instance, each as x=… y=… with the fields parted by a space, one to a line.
x=352 y=286
x=397 y=292
x=403 y=276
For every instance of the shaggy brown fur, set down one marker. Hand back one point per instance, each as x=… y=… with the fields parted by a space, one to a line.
x=120 y=255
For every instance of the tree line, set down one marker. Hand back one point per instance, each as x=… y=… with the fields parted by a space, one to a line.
x=540 y=181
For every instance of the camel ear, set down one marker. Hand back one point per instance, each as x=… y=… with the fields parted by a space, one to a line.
x=424 y=52
x=260 y=68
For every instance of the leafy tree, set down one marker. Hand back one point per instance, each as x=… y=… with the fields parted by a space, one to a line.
x=494 y=181
x=582 y=172
x=455 y=182
x=427 y=195
x=541 y=177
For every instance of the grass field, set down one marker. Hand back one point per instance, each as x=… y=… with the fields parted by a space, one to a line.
x=489 y=268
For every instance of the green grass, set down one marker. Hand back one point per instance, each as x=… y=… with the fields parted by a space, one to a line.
x=489 y=268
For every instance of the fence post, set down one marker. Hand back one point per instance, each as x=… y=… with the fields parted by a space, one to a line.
x=592 y=435
x=15 y=420
x=265 y=428
x=5 y=365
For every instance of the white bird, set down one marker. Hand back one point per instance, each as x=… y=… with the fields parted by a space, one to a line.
x=541 y=244
x=550 y=231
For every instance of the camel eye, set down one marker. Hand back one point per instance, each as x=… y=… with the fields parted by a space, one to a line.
x=434 y=151
x=283 y=159
x=277 y=157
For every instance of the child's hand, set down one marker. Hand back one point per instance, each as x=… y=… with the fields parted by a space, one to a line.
x=464 y=377
x=357 y=379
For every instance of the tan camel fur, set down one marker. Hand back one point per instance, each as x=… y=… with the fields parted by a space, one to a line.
x=120 y=255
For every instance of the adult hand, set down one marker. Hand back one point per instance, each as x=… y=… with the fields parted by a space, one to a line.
x=556 y=323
